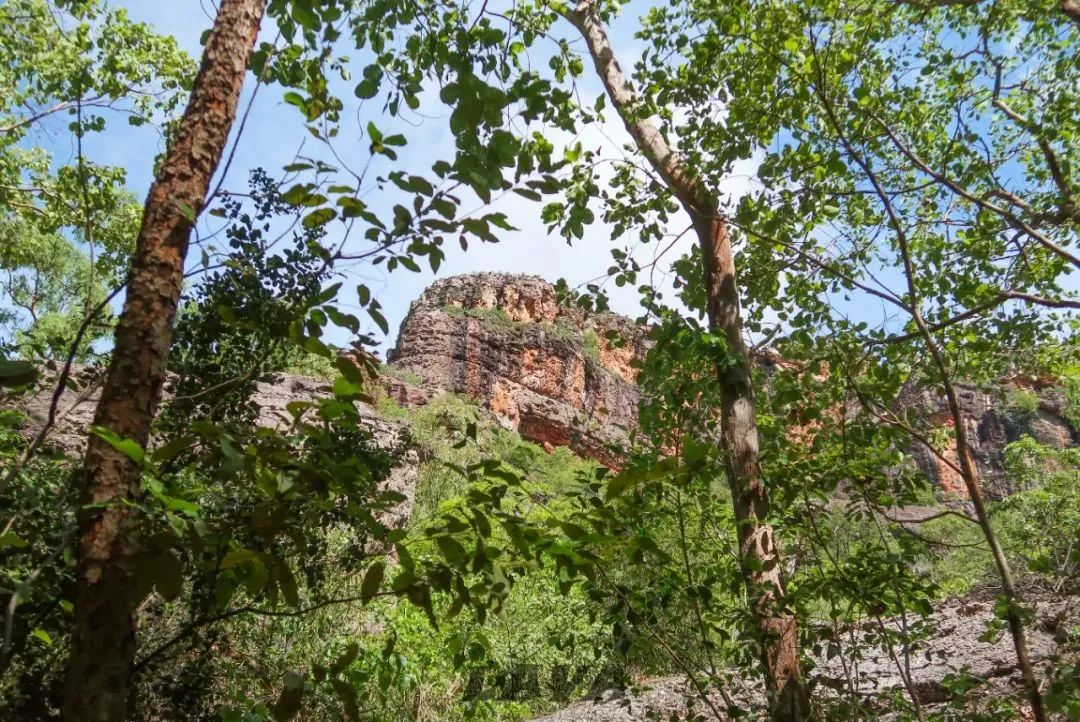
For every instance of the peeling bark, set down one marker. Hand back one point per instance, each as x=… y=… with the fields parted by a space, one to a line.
x=760 y=557
x=103 y=640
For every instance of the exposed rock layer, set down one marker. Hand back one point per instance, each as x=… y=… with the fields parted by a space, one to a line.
x=551 y=372
x=548 y=371
x=992 y=422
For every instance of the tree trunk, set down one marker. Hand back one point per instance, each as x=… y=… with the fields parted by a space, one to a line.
x=973 y=485
x=759 y=554
x=103 y=640
x=1008 y=586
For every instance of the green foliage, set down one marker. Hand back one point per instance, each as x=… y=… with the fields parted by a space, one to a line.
x=1071 y=386
x=1022 y=402
x=1041 y=525
x=435 y=430
x=921 y=143
x=304 y=363
x=66 y=227
x=494 y=318
x=237 y=325
x=1035 y=526
x=591 y=345
x=401 y=374
x=36 y=562
x=51 y=285
x=561 y=331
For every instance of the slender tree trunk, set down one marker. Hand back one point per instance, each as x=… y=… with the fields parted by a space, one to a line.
x=967 y=468
x=759 y=554
x=1008 y=586
x=972 y=483
x=103 y=640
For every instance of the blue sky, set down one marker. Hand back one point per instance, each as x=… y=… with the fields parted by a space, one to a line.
x=275 y=131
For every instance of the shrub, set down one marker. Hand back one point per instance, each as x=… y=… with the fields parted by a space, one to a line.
x=591 y=345
x=1023 y=403
x=400 y=374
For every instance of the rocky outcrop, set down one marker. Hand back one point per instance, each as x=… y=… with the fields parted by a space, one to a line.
x=953 y=645
x=563 y=376
x=550 y=372
x=75 y=414
x=558 y=375
x=993 y=418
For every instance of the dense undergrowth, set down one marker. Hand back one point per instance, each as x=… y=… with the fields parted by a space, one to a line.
x=543 y=645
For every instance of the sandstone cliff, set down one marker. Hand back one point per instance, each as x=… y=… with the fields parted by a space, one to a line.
x=549 y=372
x=545 y=370
x=993 y=420
x=561 y=376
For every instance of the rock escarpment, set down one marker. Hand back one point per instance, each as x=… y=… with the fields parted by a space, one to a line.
x=549 y=372
x=563 y=376
x=993 y=418
x=559 y=376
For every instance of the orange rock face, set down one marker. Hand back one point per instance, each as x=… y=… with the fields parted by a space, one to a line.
x=990 y=425
x=547 y=371
x=553 y=374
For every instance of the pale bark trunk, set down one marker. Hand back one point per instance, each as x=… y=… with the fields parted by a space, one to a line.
x=963 y=449
x=103 y=640
x=1008 y=585
x=759 y=554
x=973 y=485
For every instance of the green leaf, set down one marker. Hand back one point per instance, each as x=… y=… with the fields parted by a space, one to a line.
x=451 y=550
x=298 y=194
x=304 y=14
x=169 y=577
x=345 y=659
x=186 y=211
x=347 y=696
x=366 y=89
x=127 y=447
x=319 y=217
x=292 y=695
x=372 y=581
x=171 y=449
x=237 y=557
x=346 y=389
x=379 y=320
x=11 y=539
x=287 y=584
x=351 y=207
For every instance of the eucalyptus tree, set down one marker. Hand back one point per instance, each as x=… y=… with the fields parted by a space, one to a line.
x=762 y=566
x=103 y=641
x=916 y=157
